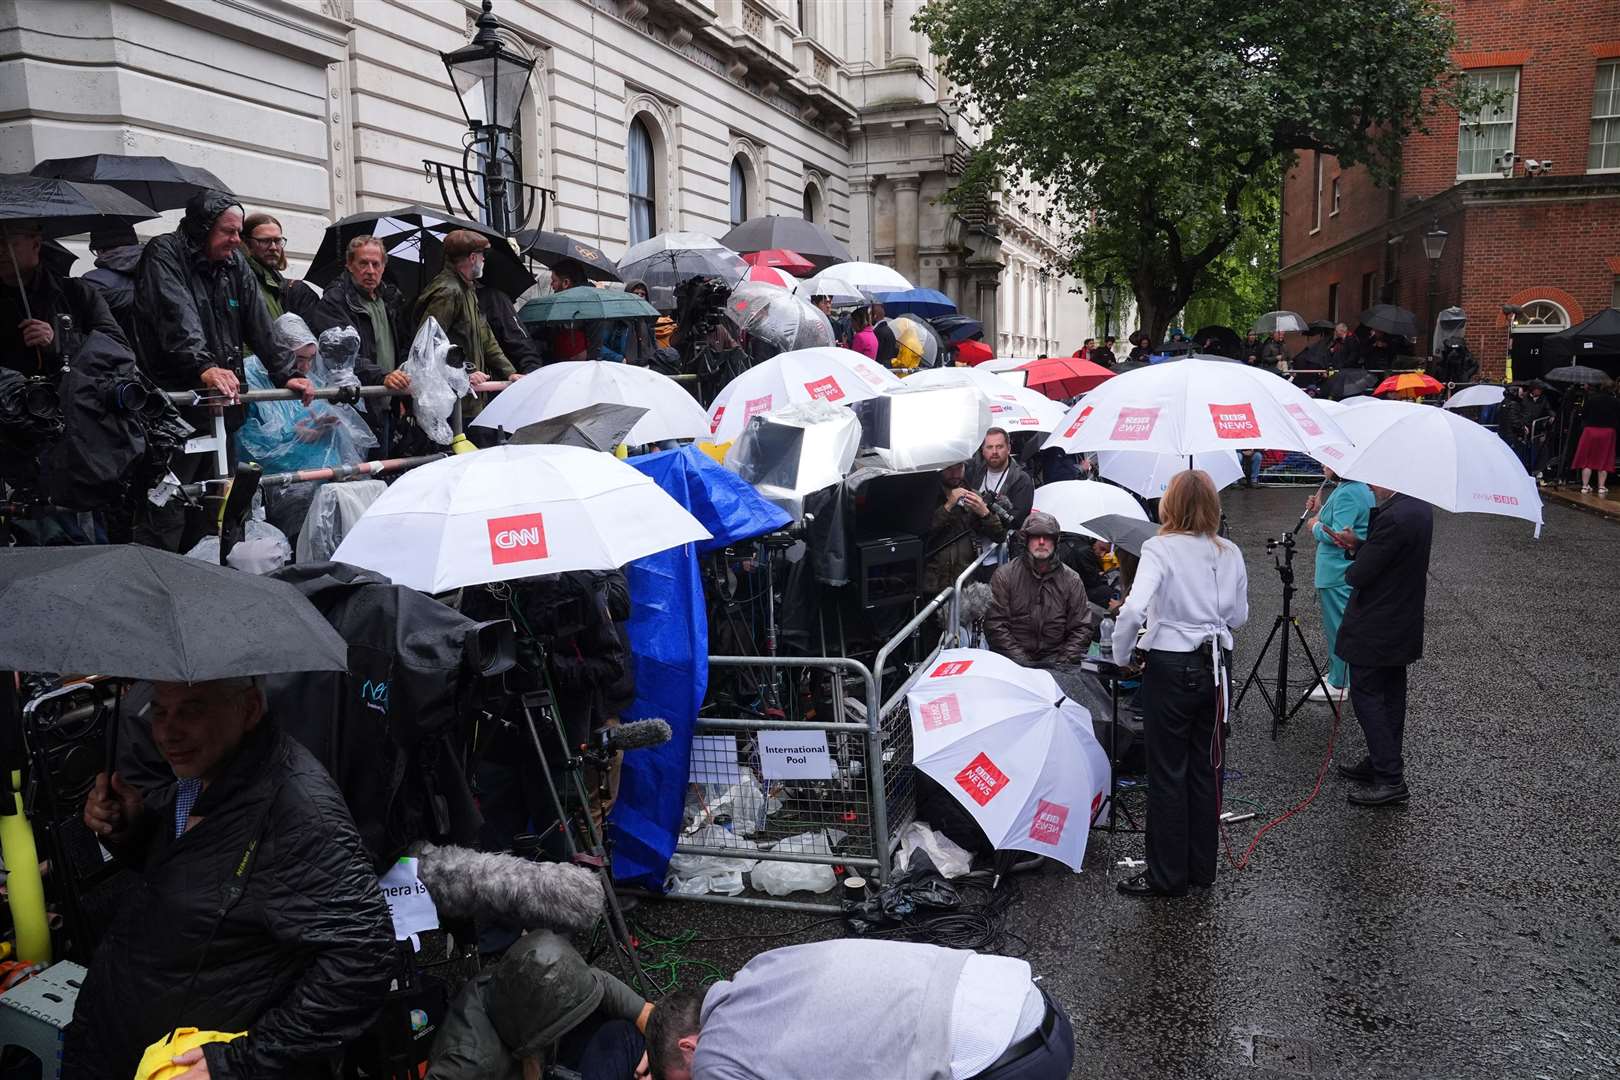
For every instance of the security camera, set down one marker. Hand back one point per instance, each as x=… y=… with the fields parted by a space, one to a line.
x=1532 y=167
x=1506 y=162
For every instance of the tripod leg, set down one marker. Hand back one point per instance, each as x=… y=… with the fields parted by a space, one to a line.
x=1253 y=678
x=1318 y=675
x=551 y=785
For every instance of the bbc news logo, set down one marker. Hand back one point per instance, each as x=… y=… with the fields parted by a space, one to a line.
x=719 y=414
x=826 y=389
x=1049 y=821
x=1235 y=421
x=756 y=407
x=941 y=712
x=1135 y=425
x=1499 y=500
x=1303 y=419
x=1079 y=420
x=981 y=779
x=950 y=667
x=519 y=538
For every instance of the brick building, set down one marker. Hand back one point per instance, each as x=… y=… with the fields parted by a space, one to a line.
x=1530 y=203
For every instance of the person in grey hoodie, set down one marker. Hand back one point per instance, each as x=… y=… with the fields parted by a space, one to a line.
x=117 y=250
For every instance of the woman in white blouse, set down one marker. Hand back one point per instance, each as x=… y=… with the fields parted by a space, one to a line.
x=1192 y=590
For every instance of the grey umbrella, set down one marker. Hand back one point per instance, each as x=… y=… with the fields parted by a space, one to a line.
x=139 y=613
x=65 y=207
x=1126 y=532
x=818 y=246
x=155 y=181
x=1576 y=375
x=1288 y=322
x=1393 y=320
x=600 y=426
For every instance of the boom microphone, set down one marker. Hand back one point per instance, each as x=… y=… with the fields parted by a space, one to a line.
x=489 y=887
x=633 y=735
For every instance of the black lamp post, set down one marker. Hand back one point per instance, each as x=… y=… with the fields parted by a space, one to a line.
x=1434 y=246
x=490 y=80
x=1108 y=300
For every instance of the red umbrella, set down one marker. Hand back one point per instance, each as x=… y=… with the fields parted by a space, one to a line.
x=791 y=261
x=770 y=275
x=1409 y=384
x=974 y=353
x=1062 y=377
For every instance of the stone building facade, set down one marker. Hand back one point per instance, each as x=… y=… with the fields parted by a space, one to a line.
x=314 y=109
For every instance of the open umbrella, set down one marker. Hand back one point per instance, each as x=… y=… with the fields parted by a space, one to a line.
x=974 y=353
x=1018 y=755
x=872 y=278
x=1348 y=383
x=136 y=612
x=1193 y=406
x=778 y=318
x=586 y=303
x=1289 y=322
x=804 y=238
x=1075 y=502
x=840 y=376
x=907 y=342
x=770 y=275
x=1012 y=407
x=514 y=512
x=1060 y=377
x=956 y=329
x=830 y=284
x=150 y=180
x=673 y=257
x=1396 y=321
x=1221 y=339
x=553 y=249
x=929 y=303
x=66 y=207
x=601 y=426
x=1122 y=531
x=1149 y=474
x=1434 y=455
x=1321 y=326
x=414 y=238
x=560 y=389
x=1577 y=375
x=1409 y=384
x=790 y=261
x=1475 y=396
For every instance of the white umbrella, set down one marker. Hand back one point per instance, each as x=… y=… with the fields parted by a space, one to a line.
x=1074 y=502
x=841 y=376
x=1019 y=756
x=1011 y=407
x=514 y=512
x=871 y=277
x=827 y=283
x=1472 y=396
x=1434 y=455
x=557 y=389
x=1149 y=474
x=1193 y=406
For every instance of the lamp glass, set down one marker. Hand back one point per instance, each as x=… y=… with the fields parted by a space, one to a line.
x=490 y=84
x=1434 y=244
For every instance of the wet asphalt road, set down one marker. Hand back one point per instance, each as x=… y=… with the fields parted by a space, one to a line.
x=1474 y=932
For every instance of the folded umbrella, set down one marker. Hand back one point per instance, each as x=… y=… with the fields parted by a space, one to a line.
x=777 y=259
x=1075 y=502
x=1122 y=531
x=840 y=376
x=136 y=612
x=1289 y=322
x=601 y=426
x=514 y=512
x=151 y=180
x=1149 y=474
x=1396 y=321
x=809 y=241
x=563 y=388
x=1019 y=756
x=673 y=257
x=1061 y=377
x=554 y=249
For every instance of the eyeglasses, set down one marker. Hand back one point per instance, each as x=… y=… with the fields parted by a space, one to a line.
x=268 y=241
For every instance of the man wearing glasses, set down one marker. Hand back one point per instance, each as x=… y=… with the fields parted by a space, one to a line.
x=266 y=249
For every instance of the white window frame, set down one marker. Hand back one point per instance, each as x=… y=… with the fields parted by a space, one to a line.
x=1612 y=117
x=1316 y=192
x=1564 y=322
x=1335 y=193
x=1513 y=123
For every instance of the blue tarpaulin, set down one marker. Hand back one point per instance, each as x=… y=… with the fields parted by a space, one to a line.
x=669 y=635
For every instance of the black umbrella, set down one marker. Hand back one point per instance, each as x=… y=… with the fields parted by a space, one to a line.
x=414 y=237
x=156 y=181
x=1349 y=382
x=1576 y=375
x=1396 y=321
x=1126 y=532
x=1321 y=326
x=1123 y=366
x=139 y=613
x=63 y=207
x=816 y=244
x=57 y=258
x=600 y=426
x=956 y=329
x=551 y=249
x=1172 y=348
x=1220 y=339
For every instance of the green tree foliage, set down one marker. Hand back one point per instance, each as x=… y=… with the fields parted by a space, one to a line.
x=1151 y=121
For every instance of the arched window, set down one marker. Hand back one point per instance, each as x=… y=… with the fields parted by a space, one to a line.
x=739 y=191
x=812 y=203
x=643 y=183
x=1541 y=317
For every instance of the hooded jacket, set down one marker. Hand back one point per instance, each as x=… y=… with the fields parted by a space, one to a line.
x=343 y=304
x=193 y=314
x=114 y=276
x=541 y=990
x=302 y=959
x=1038 y=620
x=50 y=295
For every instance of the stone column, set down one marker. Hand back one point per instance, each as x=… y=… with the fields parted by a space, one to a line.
x=860 y=216
x=907 y=223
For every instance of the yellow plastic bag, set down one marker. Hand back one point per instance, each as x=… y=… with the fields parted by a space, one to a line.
x=158 y=1064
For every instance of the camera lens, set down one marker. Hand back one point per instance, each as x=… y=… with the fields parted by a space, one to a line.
x=131 y=396
x=40 y=399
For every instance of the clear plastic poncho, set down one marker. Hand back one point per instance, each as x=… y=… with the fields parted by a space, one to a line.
x=435 y=385
x=283 y=436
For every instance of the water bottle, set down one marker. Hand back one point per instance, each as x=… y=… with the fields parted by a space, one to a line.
x=1105 y=638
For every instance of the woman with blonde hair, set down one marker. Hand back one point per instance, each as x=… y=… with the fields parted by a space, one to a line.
x=1192 y=591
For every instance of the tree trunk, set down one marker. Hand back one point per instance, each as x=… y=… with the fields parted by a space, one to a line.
x=1155 y=306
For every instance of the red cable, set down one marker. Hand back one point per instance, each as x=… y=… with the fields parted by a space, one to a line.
x=1239 y=864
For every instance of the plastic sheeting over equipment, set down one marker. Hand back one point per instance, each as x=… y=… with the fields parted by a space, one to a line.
x=669 y=636
x=791 y=452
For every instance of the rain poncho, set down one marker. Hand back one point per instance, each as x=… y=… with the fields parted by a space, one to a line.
x=435 y=385
x=283 y=436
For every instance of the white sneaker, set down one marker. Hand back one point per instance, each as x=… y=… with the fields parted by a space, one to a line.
x=1326 y=691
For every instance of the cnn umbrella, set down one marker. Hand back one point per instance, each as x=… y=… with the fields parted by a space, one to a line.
x=65 y=207
x=929 y=303
x=778 y=318
x=804 y=238
x=1018 y=755
x=1475 y=396
x=1196 y=405
x=136 y=612
x=1012 y=407
x=1122 y=531
x=777 y=259
x=907 y=342
x=559 y=389
x=1061 y=377
x=601 y=426
x=586 y=303
x=1348 y=383
x=151 y=180
x=1577 y=375
x=872 y=278
x=1149 y=474
x=1075 y=502
x=554 y=249
x=1434 y=455
x=514 y=512
x=1409 y=384
x=414 y=236
x=830 y=284
x=840 y=376
x=673 y=257
x=1289 y=322
x=1393 y=320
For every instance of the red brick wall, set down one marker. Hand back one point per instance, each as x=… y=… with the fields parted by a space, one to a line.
x=1362 y=206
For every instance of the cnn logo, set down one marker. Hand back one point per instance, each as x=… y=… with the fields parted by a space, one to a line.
x=517 y=538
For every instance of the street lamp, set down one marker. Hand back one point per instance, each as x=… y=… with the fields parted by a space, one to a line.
x=490 y=79
x=1434 y=245
x=1108 y=299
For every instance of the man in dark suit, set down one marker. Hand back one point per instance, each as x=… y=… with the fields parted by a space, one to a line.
x=1382 y=634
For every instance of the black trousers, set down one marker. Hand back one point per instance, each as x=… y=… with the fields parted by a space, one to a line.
x=1051 y=1059
x=1178 y=728
x=1379 y=697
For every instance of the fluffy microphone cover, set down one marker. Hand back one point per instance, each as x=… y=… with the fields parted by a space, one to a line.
x=493 y=887
x=976 y=597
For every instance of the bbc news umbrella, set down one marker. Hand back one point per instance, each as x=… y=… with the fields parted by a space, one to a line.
x=1149 y=474
x=839 y=376
x=1018 y=755
x=1012 y=407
